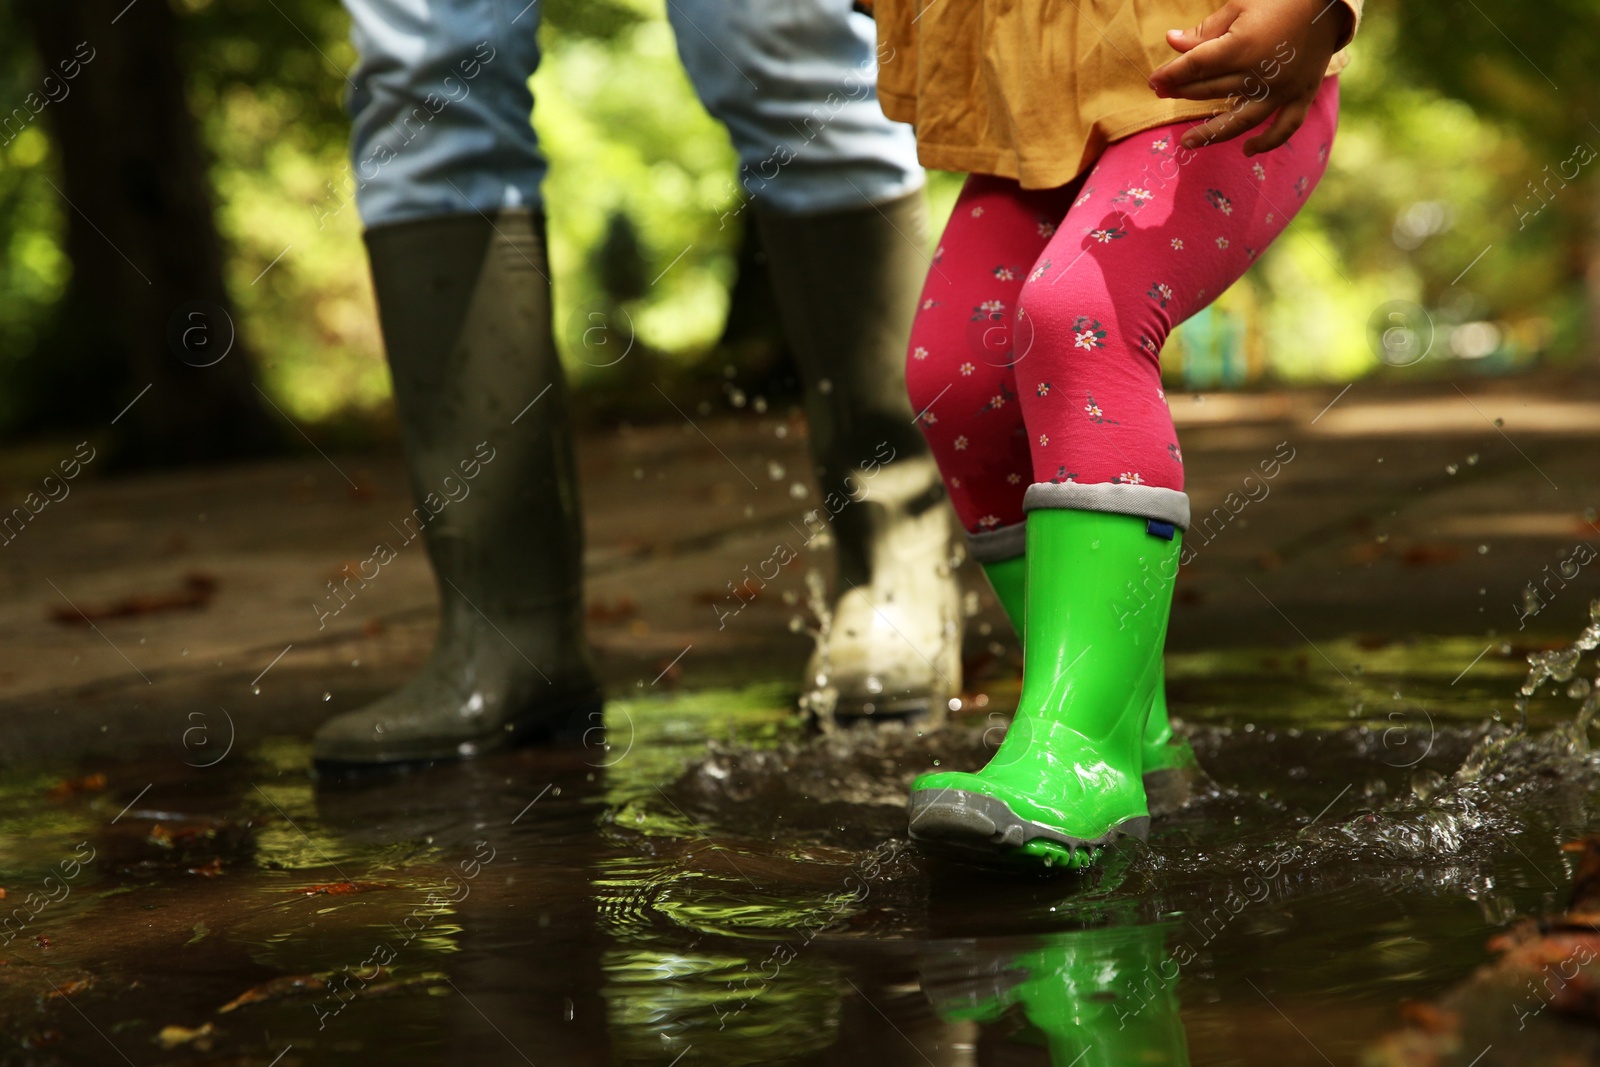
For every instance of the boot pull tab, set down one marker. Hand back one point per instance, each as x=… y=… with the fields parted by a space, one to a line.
x=1163 y=530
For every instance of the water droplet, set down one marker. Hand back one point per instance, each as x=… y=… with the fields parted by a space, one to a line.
x=638 y=474
x=936 y=763
x=737 y=398
x=749 y=511
x=256 y=689
x=954 y=704
x=1499 y=423
x=825 y=386
x=1472 y=460
x=326 y=697
x=798 y=491
x=185 y=652
x=780 y=431
x=1451 y=468
x=1383 y=538
x=775 y=470
x=796 y=624
x=760 y=404
x=1483 y=550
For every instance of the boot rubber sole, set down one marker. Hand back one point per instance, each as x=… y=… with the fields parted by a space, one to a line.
x=985 y=829
x=564 y=721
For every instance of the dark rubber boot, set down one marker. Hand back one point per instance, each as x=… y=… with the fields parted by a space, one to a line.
x=465 y=307
x=847 y=284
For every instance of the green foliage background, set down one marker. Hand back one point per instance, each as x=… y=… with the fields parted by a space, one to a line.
x=631 y=147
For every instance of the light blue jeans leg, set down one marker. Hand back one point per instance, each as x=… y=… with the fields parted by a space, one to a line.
x=795 y=82
x=440 y=107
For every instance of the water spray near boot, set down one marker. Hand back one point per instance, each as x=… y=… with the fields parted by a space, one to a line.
x=847 y=284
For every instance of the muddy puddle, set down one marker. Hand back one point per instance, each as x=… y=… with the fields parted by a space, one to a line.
x=716 y=885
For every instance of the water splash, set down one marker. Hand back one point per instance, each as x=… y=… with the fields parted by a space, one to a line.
x=1491 y=793
x=820 y=697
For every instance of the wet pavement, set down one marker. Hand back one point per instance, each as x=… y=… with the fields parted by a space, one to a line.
x=712 y=882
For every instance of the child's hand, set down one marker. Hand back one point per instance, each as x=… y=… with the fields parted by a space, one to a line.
x=1265 y=56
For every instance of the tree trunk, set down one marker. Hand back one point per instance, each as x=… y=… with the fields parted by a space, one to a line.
x=146 y=304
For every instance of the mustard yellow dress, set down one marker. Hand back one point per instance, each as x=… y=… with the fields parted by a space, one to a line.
x=1032 y=90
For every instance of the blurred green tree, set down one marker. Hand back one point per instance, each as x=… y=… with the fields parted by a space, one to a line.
x=146 y=259
x=1531 y=66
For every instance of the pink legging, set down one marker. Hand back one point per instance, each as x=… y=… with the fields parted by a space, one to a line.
x=1035 y=354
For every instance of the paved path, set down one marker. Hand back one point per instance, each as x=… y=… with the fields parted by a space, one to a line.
x=1391 y=513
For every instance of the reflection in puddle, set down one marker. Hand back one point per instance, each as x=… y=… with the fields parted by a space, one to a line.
x=754 y=900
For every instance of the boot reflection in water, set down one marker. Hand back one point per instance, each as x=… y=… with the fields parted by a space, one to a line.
x=1099 y=998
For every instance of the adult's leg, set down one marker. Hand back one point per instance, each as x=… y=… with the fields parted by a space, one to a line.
x=836 y=195
x=447 y=178
x=1145 y=246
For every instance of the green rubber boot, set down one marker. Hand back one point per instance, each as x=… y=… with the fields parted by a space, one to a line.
x=1169 y=765
x=1099 y=998
x=1065 y=782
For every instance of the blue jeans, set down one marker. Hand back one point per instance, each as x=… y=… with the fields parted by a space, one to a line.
x=440 y=104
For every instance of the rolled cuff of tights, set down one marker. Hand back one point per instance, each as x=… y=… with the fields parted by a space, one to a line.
x=998 y=545
x=1141 y=501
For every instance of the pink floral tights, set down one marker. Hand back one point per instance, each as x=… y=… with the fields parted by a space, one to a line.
x=1034 y=358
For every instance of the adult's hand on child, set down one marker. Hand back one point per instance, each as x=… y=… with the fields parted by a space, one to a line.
x=1265 y=56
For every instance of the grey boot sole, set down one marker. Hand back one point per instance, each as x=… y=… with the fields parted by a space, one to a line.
x=983 y=827
x=564 y=720
x=904 y=709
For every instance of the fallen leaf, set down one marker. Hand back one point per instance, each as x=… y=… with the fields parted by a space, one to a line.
x=288 y=985
x=337 y=889
x=89 y=783
x=67 y=989
x=197 y=591
x=1424 y=555
x=171 y=1037
x=623 y=608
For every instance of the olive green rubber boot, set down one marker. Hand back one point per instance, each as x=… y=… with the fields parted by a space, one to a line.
x=1171 y=772
x=1065 y=782
x=847 y=284
x=464 y=302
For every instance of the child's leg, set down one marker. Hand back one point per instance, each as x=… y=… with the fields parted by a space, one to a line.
x=958 y=371
x=1154 y=237
x=1159 y=233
